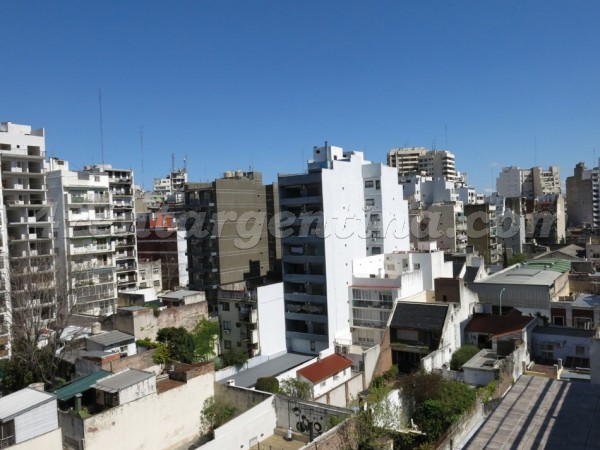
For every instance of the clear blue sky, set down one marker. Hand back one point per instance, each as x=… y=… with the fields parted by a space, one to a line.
x=233 y=84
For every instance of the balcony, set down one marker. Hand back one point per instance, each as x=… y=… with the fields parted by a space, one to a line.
x=249 y=317
x=306 y=336
x=368 y=323
x=90 y=199
x=304 y=297
x=411 y=347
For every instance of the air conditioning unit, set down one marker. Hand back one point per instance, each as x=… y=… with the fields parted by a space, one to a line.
x=227 y=331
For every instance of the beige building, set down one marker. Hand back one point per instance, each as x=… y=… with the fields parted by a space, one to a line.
x=419 y=160
x=482 y=232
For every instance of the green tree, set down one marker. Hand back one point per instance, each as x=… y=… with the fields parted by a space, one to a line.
x=161 y=354
x=267 y=384
x=206 y=334
x=215 y=412
x=291 y=387
x=462 y=355
x=179 y=342
x=235 y=358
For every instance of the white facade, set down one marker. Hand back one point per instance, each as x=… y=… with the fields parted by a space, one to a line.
x=26 y=240
x=418 y=160
x=271 y=319
x=329 y=383
x=386 y=211
x=84 y=236
x=514 y=182
x=430 y=261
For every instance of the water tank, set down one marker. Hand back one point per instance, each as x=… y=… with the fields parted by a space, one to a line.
x=228 y=174
x=96 y=328
x=239 y=174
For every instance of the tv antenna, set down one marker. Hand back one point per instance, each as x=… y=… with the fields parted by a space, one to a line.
x=142 y=148
x=101 y=125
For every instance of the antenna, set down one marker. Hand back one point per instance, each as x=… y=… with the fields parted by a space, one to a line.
x=142 y=148
x=172 y=162
x=535 y=151
x=185 y=163
x=101 y=125
x=446 y=133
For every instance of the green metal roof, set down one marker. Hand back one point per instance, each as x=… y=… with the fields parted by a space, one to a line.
x=554 y=264
x=79 y=385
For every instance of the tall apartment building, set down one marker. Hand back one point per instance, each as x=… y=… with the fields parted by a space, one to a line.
x=420 y=161
x=482 y=232
x=85 y=240
x=170 y=189
x=120 y=186
x=228 y=244
x=27 y=294
x=583 y=197
x=514 y=182
x=325 y=227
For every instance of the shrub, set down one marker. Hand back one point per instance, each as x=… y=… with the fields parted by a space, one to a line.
x=234 y=358
x=180 y=343
x=462 y=355
x=161 y=355
x=146 y=342
x=215 y=412
x=391 y=373
x=295 y=389
x=267 y=384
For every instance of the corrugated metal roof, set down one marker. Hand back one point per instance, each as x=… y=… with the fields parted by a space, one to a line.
x=419 y=316
x=554 y=264
x=179 y=295
x=18 y=402
x=80 y=385
x=111 y=338
x=530 y=276
x=122 y=380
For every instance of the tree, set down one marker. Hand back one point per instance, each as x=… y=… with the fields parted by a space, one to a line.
x=39 y=304
x=291 y=387
x=235 y=358
x=206 y=335
x=215 y=412
x=267 y=384
x=180 y=343
x=462 y=355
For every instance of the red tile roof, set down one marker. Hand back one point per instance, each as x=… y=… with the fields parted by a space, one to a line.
x=494 y=325
x=325 y=368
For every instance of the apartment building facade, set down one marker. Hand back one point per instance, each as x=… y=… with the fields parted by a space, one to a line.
x=85 y=240
x=120 y=184
x=420 y=161
x=27 y=292
x=482 y=232
x=583 y=197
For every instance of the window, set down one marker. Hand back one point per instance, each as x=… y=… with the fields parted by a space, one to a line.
x=582 y=322
x=323 y=384
x=227 y=345
x=377 y=184
x=156 y=283
x=143 y=273
x=368 y=184
x=312 y=346
x=370 y=202
x=227 y=324
x=239 y=344
x=225 y=306
x=579 y=350
x=156 y=271
x=417 y=266
x=558 y=320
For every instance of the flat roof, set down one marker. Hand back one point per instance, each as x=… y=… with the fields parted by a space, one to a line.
x=21 y=401
x=110 y=338
x=122 y=380
x=540 y=412
x=179 y=295
x=563 y=331
x=587 y=300
x=522 y=275
x=271 y=368
x=486 y=359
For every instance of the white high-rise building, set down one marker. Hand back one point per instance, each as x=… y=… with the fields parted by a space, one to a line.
x=27 y=292
x=324 y=228
x=84 y=236
x=514 y=182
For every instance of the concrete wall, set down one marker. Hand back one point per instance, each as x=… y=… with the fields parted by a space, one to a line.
x=51 y=440
x=290 y=412
x=595 y=360
x=247 y=429
x=329 y=383
x=157 y=421
x=143 y=324
x=341 y=395
x=563 y=346
x=271 y=319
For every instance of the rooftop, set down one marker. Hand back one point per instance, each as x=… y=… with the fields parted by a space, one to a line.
x=122 y=380
x=272 y=368
x=563 y=331
x=179 y=295
x=529 y=275
x=484 y=360
x=419 y=316
x=21 y=401
x=554 y=264
x=492 y=324
x=111 y=338
x=79 y=385
x=325 y=368
x=539 y=412
x=587 y=300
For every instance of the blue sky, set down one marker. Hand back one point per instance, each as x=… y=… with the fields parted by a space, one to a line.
x=258 y=83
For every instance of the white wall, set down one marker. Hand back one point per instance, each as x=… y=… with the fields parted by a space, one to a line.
x=154 y=422
x=255 y=425
x=329 y=383
x=48 y=441
x=36 y=422
x=271 y=319
x=138 y=390
x=433 y=266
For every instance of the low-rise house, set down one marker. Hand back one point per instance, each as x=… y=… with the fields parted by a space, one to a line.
x=487 y=330
x=134 y=409
x=29 y=421
x=583 y=312
x=112 y=342
x=326 y=374
x=571 y=345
